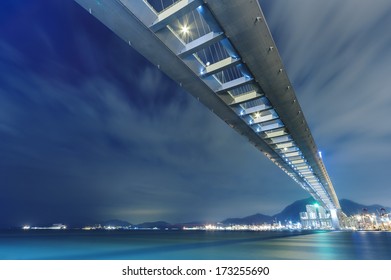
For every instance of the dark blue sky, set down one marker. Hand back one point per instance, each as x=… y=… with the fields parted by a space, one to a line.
x=90 y=131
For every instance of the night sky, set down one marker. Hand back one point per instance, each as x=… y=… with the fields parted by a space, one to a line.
x=91 y=131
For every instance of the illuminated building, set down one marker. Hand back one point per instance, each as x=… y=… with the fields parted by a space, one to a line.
x=315 y=217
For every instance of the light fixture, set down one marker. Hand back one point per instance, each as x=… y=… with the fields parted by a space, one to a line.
x=185 y=29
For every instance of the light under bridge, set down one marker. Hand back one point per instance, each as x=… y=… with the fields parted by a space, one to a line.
x=222 y=52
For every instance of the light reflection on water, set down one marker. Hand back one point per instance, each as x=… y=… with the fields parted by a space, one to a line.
x=193 y=245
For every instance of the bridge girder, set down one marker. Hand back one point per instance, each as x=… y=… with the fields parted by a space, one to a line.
x=233 y=67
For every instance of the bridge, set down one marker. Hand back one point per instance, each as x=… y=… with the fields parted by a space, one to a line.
x=223 y=53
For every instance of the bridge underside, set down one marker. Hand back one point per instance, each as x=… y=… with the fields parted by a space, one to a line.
x=222 y=53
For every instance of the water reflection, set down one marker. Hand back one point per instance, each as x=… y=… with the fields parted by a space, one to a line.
x=195 y=245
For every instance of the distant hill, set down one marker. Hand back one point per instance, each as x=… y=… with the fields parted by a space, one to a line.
x=253 y=219
x=157 y=224
x=291 y=212
x=116 y=223
x=351 y=208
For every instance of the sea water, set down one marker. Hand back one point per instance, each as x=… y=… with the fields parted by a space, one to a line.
x=193 y=245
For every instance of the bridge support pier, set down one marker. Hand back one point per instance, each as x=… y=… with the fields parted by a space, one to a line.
x=335 y=218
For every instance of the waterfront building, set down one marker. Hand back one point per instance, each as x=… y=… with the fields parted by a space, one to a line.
x=315 y=217
x=369 y=221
